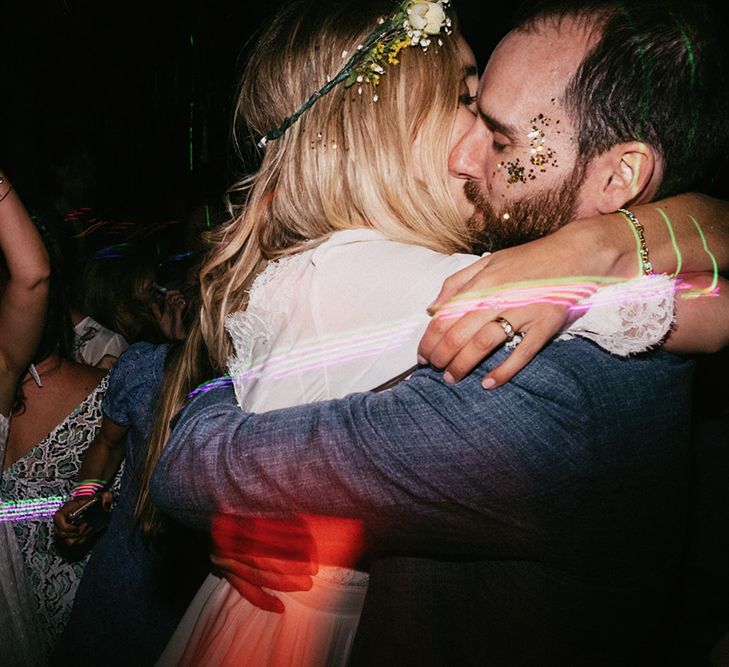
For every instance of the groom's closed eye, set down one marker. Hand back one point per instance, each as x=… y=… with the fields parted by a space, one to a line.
x=499 y=142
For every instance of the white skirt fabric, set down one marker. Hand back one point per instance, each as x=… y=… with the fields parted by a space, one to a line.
x=220 y=628
x=20 y=639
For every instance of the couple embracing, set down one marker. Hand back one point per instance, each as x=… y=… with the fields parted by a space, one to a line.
x=455 y=518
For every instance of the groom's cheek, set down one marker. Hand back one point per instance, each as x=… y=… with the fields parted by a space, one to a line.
x=538 y=159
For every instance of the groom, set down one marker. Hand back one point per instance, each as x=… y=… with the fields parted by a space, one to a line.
x=536 y=524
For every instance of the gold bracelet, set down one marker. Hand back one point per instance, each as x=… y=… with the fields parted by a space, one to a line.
x=645 y=265
x=10 y=189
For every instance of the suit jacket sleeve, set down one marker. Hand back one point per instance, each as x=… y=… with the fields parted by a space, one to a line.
x=452 y=465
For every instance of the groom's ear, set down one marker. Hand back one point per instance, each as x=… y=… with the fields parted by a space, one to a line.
x=626 y=175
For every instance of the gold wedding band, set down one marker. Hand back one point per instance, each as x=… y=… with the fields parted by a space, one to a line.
x=506 y=326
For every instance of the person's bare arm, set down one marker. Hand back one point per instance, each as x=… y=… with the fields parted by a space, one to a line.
x=702 y=313
x=24 y=299
x=683 y=234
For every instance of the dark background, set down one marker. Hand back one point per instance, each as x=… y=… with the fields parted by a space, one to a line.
x=126 y=107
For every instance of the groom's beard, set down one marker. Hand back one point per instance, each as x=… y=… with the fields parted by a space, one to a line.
x=531 y=217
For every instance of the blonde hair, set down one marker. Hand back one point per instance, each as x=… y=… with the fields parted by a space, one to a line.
x=347 y=163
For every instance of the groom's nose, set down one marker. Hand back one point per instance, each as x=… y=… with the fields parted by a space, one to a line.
x=468 y=157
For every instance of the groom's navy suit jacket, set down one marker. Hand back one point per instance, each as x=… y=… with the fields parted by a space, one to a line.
x=535 y=524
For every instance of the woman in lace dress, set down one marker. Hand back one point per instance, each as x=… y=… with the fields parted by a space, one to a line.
x=56 y=413
x=24 y=291
x=133 y=593
x=349 y=228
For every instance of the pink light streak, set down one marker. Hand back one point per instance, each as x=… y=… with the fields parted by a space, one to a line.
x=585 y=294
x=578 y=296
x=322 y=354
x=30 y=509
x=327 y=353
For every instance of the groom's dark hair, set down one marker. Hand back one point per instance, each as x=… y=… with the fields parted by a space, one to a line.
x=656 y=74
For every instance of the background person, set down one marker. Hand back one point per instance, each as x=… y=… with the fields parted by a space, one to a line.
x=55 y=416
x=23 y=301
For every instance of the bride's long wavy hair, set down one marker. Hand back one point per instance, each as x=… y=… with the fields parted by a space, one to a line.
x=351 y=161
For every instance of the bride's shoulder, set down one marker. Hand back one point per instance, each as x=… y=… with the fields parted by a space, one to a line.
x=364 y=267
x=367 y=250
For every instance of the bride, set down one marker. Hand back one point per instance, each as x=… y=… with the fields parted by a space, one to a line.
x=318 y=287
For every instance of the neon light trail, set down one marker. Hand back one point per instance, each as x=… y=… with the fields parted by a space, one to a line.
x=30 y=509
x=314 y=354
x=577 y=294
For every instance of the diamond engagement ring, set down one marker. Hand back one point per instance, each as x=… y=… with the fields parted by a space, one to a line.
x=506 y=326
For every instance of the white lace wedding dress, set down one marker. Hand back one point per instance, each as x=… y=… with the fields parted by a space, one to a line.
x=20 y=638
x=342 y=318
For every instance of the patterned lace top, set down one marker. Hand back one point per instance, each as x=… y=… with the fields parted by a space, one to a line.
x=49 y=470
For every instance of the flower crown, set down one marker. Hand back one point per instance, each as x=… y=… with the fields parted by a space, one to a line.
x=412 y=24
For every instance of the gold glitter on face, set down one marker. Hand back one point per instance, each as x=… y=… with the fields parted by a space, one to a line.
x=515 y=172
x=541 y=155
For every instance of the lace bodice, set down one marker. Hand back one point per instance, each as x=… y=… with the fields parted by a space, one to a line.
x=253 y=329
x=340 y=318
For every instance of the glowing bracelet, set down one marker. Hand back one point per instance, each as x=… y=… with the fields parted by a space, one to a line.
x=87 y=487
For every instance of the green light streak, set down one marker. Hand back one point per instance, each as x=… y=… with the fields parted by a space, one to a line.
x=714 y=264
x=692 y=68
x=573 y=282
x=192 y=149
x=677 y=250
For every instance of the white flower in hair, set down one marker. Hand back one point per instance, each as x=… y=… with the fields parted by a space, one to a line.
x=427 y=16
x=411 y=24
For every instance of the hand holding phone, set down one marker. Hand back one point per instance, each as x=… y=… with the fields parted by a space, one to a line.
x=91 y=512
x=78 y=519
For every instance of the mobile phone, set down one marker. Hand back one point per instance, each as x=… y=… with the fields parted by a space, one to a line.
x=91 y=512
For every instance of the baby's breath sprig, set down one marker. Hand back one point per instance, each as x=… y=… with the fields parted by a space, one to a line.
x=412 y=24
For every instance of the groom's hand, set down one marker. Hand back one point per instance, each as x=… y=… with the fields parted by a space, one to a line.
x=465 y=330
x=254 y=554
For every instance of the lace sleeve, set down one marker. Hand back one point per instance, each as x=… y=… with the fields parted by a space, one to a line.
x=628 y=317
x=250 y=330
